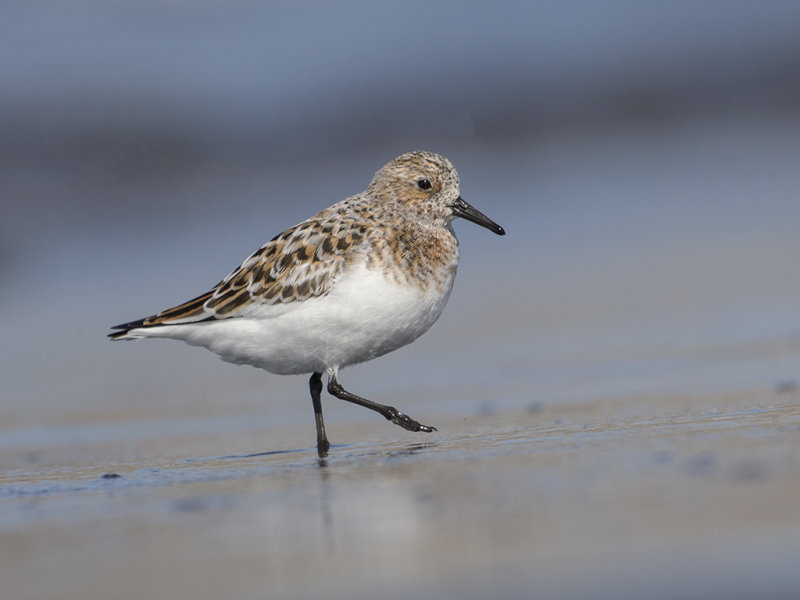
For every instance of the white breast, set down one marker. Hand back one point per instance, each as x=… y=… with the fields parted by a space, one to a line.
x=364 y=316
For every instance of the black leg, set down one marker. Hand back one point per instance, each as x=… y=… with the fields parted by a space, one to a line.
x=390 y=412
x=315 y=384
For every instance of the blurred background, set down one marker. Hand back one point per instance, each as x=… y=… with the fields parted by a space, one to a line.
x=643 y=157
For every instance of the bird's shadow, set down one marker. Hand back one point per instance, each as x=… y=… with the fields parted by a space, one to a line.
x=336 y=449
x=245 y=456
x=266 y=453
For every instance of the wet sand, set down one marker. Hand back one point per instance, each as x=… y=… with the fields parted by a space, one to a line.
x=657 y=497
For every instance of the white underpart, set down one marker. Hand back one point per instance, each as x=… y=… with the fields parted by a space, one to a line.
x=364 y=316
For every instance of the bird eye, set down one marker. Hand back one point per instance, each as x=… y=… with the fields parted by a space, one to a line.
x=423 y=184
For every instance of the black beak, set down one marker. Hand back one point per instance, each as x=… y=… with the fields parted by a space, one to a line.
x=465 y=211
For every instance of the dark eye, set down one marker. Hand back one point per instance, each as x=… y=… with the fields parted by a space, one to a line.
x=423 y=184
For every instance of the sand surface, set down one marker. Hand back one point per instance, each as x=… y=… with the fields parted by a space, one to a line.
x=658 y=497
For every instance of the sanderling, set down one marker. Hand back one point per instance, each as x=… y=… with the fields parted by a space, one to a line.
x=362 y=278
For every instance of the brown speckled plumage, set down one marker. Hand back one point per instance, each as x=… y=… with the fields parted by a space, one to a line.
x=394 y=226
x=362 y=278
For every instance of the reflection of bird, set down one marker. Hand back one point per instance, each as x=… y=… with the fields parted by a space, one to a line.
x=362 y=278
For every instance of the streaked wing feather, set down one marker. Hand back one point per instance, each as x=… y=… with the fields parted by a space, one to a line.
x=302 y=262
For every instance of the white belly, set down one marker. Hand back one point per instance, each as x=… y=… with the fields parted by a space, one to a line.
x=364 y=316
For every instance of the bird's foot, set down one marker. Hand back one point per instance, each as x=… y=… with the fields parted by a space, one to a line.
x=406 y=422
x=322 y=448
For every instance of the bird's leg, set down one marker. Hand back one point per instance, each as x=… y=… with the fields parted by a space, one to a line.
x=390 y=412
x=315 y=384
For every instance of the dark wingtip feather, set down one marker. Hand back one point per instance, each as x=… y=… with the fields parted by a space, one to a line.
x=129 y=325
x=124 y=329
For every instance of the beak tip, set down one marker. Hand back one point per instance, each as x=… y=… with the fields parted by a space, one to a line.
x=461 y=209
